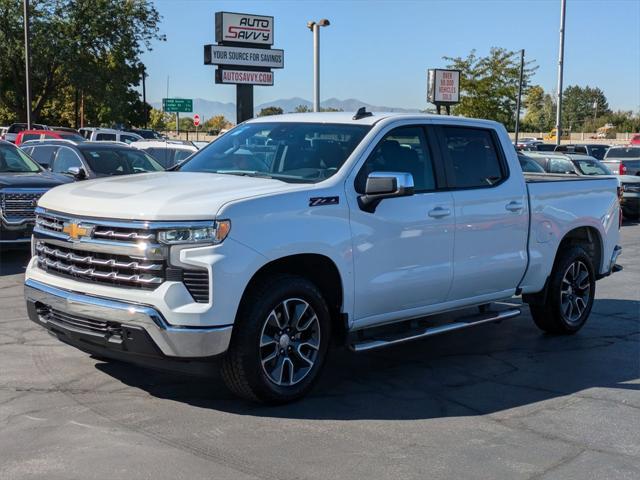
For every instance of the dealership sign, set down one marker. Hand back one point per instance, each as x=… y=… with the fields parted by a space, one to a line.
x=243 y=57
x=244 y=77
x=443 y=86
x=244 y=28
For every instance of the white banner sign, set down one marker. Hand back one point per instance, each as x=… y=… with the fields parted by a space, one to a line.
x=245 y=77
x=444 y=86
x=244 y=57
x=244 y=28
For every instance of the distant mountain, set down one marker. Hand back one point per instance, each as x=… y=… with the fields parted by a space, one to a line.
x=210 y=108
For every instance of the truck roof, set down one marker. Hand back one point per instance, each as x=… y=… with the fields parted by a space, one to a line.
x=375 y=117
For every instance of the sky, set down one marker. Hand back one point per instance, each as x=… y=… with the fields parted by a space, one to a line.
x=379 y=51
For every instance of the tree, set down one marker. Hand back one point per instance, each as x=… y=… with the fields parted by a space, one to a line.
x=216 y=123
x=540 y=110
x=159 y=120
x=302 y=109
x=578 y=108
x=270 y=111
x=85 y=57
x=489 y=85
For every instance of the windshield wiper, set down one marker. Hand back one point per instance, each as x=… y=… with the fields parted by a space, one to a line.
x=245 y=173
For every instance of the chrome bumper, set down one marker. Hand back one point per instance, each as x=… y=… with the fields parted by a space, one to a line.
x=172 y=341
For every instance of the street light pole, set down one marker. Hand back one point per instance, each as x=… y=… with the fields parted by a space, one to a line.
x=563 y=8
x=519 y=97
x=315 y=29
x=26 y=62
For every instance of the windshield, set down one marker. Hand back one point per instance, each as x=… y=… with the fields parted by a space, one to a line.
x=14 y=160
x=288 y=151
x=119 y=161
x=591 y=167
x=598 y=152
x=630 y=152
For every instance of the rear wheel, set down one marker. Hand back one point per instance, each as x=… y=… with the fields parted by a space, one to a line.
x=279 y=342
x=570 y=294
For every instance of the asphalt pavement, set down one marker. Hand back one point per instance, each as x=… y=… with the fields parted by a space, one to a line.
x=495 y=402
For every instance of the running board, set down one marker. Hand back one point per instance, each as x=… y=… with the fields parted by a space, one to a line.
x=381 y=342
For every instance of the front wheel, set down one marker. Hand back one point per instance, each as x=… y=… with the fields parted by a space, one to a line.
x=571 y=290
x=279 y=342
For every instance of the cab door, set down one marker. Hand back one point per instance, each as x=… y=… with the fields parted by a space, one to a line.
x=403 y=251
x=491 y=215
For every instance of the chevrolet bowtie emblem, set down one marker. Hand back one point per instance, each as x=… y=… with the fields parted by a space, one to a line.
x=75 y=231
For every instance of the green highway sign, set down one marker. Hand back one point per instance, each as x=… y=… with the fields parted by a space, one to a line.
x=173 y=105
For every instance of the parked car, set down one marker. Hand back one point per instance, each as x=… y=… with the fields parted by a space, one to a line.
x=109 y=135
x=167 y=152
x=22 y=183
x=539 y=147
x=583 y=165
x=337 y=228
x=31 y=135
x=65 y=129
x=529 y=165
x=635 y=139
x=15 y=128
x=526 y=142
x=147 y=133
x=92 y=159
x=595 y=150
x=623 y=160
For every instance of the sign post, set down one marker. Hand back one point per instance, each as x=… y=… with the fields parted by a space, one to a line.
x=443 y=88
x=243 y=56
x=196 y=123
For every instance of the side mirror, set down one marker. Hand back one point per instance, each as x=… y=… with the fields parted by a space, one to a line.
x=77 y=172
x=381 y=185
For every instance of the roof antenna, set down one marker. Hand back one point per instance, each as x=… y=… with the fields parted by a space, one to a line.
x=362 y=113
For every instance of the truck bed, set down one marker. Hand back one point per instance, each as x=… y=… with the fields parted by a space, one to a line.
x=556 y=177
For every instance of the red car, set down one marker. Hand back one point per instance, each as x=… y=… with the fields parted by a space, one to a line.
x=47 y=134
x=635 y=139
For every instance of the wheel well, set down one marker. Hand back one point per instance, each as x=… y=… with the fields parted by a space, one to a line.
x=320 y=270
x=587 y=238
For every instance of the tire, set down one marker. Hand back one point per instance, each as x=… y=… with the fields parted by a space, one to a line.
x=569 y=295
x=265 y=361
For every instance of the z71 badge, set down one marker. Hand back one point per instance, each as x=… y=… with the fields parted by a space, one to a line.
x=318 y=201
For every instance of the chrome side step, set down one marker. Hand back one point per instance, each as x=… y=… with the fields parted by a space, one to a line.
x=415 y=334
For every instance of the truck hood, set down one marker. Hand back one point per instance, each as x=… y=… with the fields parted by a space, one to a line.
x=32 y=180
x=158 y=196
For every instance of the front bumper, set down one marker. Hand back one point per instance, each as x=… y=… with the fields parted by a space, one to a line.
x=96 y=323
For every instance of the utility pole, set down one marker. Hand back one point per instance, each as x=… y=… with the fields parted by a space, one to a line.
x=26 y=62
x=563 y=8
x=519 y=96
x=144 y=96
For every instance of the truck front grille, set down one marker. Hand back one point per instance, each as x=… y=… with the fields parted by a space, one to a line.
x=99 y=267
x=19 y=204
x=116 y=253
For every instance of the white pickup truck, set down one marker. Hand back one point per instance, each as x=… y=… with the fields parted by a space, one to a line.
x=293 y=231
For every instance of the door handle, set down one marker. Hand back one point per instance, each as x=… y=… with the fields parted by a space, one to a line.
x=514 y=206
x=439 y=212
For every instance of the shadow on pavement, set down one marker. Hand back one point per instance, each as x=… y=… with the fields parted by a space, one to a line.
x=484 y=370
x=14 y=261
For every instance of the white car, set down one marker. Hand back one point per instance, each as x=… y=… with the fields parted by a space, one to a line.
x=96 y=134
x=167 y=152
x=293 y=231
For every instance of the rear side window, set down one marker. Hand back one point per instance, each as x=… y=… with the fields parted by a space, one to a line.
x=162 y=155
x=43 y=155
x=30 y=136
x=473 y=157
x=128 y=139
x=106 y=136
x=560 y=165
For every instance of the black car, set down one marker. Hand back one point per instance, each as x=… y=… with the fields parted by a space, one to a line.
x=595 y=150
x=91 y=159
x=147 y=133
x=22 y=183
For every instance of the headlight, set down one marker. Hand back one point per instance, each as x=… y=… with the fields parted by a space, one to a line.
x=211 y=234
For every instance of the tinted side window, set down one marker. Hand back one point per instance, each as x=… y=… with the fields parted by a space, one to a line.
x=162 y=155
x=581 y=150
x=43 y=155
x=128 y=138
x=559 y=165
x=473 y=157
x=106 y=136
x=30 y=136
x=65 y=159
x=403 y=149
